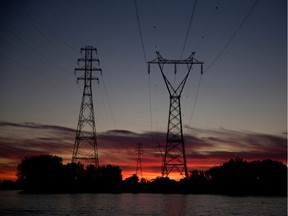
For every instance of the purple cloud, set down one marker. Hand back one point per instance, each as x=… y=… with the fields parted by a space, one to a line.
x=204 y=148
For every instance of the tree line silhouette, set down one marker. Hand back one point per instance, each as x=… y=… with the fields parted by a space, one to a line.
x=47 y=174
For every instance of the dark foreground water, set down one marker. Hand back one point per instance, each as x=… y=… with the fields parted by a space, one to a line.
x=13 y=203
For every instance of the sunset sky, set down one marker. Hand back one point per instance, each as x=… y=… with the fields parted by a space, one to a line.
x=241 y=107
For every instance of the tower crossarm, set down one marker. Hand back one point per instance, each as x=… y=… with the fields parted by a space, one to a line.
x=160 y=60
x=88 y=48
x=175 y=91
x=84 y=69
x=87 y=78
x=92 y=59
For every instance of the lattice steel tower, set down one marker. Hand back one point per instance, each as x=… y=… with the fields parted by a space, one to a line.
x=174 y=156
x=139 y=152
x=85 y=147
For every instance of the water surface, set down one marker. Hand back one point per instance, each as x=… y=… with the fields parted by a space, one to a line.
x=13 y=203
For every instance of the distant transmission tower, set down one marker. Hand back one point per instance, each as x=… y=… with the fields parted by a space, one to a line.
x=139 y=152
x=174 y=156
x=85 y=147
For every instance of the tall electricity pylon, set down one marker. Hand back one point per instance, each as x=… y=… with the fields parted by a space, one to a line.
x=174 y=156
x=85 y=147
x=139 y=152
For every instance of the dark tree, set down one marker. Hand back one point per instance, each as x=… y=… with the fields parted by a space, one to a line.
x=239 y=177
x=41 y=173
x=9 y=185
x=269 y=177
x=73 y=175
x=163 y=185
x=110 y=179
x=131 y=184
x=47 y=174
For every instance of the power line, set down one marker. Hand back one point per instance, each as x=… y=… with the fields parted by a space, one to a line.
x=52 y=63
x=196 y=97
x=108 y=102
x=145 y=59
x=150 y=106
x=155 y=39
x=29 y=18
x=140 y=31
x=233 y=36
x=32 y=69
x=49 y=27
x=182 y=52
x=187 y=34
x=188 y=29
x=54 y=15
x=221 y=52
x=209 y=23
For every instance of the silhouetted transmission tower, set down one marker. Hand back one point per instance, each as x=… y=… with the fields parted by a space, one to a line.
x=174 y=156
x=139 y=152
x=85 y=147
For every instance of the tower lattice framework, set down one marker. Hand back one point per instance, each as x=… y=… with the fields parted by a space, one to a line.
x=85 y=147
x=174 y=156
x=139 y=152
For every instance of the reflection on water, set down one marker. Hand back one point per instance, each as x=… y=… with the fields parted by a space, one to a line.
x=174 y=204
x=13 y=203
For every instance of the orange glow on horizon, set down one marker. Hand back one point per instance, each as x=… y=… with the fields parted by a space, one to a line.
x=148 y=172
x=148 y=175
x=9 y=175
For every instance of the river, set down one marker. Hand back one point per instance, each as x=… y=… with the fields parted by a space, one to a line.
x=13 y=203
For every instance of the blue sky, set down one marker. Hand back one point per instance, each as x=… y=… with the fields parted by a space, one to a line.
x=245 y=90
